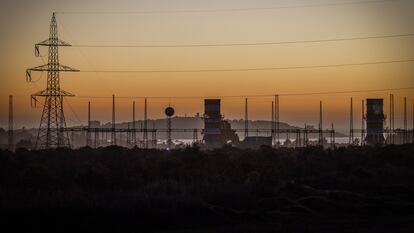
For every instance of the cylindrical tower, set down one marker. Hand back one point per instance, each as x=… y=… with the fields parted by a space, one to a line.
x=375 y=121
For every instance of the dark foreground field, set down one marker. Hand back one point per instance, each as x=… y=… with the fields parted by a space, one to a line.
x=227 y=190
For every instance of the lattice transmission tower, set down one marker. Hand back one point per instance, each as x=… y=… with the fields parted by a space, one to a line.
x=51 y=132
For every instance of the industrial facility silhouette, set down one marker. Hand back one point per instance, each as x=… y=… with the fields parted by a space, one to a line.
x=217 y=131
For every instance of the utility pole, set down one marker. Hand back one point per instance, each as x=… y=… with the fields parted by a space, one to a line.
x=393 y=117
x=11 y=130
x=363 y=123
x=305 y=135
x=154 y=136
x=145 y=124
x=391 y=133
x=320 y=139
x=88 y=132
x=113 y=135
x=351 y=125
x=195 y=136
x=128 y=134
x=405 y=121
x=134 y=135
x=272 y=127
x=277 y=119
x=332 y=136
x=52 y=126
x=246 y=120
x=95 y=139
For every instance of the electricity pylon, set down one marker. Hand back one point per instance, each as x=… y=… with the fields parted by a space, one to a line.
x=51 y=132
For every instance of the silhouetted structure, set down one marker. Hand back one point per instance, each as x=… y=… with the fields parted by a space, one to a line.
x=277 y=120
x=272 y=126
x=405 y=122
x=52 y=124
x=11 y=132
x=217 y=132
x=363 y=118
x=391 y=128
x=212 y=123
x=145 y=136
x=169 y=112
x=351 y=123
x=246 y=119
x=134 y=127
x=113 y=135
x=89 y=133
x=229 y=135
x=375 y=121
x=320 y=128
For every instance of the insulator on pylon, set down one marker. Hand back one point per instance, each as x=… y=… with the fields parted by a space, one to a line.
x=37 y=52
x=28 y=76
x=33 y=101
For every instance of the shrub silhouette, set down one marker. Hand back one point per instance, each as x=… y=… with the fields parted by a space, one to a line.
x=191 y=188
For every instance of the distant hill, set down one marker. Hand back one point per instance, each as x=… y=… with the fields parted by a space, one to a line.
x=179 y=122
x=28 y=136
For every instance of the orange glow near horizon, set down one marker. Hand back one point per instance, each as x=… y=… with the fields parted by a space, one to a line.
x=31 y=22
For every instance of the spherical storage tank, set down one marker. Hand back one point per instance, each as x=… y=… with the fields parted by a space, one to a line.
x=169 y=111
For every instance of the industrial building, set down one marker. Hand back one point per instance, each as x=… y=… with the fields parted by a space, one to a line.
x=53 y=132
x=217 y=132
x=375 y=122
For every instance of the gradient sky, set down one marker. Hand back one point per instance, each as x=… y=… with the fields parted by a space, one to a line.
x=24 y=23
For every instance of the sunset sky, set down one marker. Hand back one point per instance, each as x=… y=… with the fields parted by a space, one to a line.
x=171 y=22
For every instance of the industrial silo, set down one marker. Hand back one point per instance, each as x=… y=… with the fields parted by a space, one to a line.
x=212 y=123
x=375 y=121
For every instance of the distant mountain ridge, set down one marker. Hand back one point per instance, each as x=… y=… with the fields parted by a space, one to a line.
x=179 y=122
x=28 y=136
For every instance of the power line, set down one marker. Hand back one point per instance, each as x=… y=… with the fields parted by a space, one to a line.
x=74 y=113
x=251 y=96
x=244 y=44
x=250 y=69
x=349 y=92
x=227 y=9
